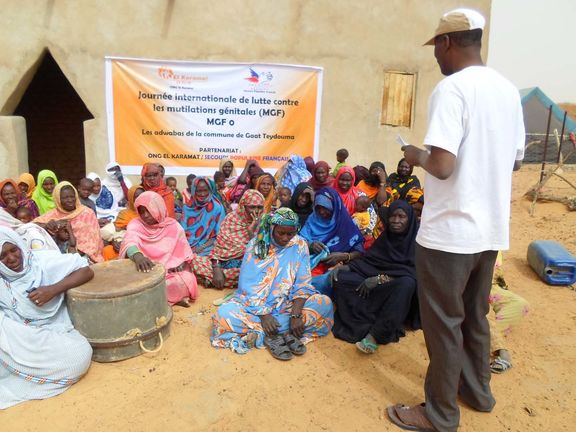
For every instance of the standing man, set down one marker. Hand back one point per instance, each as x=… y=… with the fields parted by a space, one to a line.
x=475 y=138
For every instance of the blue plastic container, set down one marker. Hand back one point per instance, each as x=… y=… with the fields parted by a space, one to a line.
x=552 y=262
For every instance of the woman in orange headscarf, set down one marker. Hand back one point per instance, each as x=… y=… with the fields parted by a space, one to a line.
x=152 y=180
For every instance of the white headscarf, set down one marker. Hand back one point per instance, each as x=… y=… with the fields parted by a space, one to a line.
x=113 y=184
x=35 y=237
x=40 y=268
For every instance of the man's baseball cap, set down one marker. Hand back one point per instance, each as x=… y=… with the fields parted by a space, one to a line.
x=458 y=20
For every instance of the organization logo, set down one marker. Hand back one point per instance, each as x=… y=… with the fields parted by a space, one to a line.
x=259 y=80
x=168 y=74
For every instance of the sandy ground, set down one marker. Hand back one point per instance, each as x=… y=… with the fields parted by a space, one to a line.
x=191 y=386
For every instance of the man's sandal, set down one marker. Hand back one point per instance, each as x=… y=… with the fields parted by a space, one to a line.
x=500 y=365
x=411 y=418
x=278 y=348
x=294 y=344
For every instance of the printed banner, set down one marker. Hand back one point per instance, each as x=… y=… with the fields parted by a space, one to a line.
x=188 y=116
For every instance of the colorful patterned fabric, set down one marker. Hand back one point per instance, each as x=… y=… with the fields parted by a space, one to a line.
x=283 y=217
x=269 y=286
x=83 y=221
x=339 y=233
x=164 y=191
x=41 y=354
x=328 y=182
x=201 y=219
x=22 y=201
x=233 y=236
x=27 y=179
x=43 y=199
x=202 y=267
x=270 y=200
x=349 y=197
x=294 y=173
x=164 y=243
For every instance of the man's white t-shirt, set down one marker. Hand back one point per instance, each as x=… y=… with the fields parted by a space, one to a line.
x=475 y=114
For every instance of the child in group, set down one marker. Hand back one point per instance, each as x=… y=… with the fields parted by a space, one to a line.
x=341 y=156
x=85 y=187
x=172 y=183
x=64 y=238
x=186 y=197
x=24 y=214
x=284 y=196
x=361 y=218
x=507 y=310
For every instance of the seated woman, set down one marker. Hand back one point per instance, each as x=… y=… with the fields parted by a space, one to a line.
x=402 y=180
x=42 y=195
x=242 y=182
x=227 y=167
x=156 y=238
x=41 y=354
x=153 y=180
x=114 y=233
x=293 y=173
x=26 y=185
x=376 y=294
x=321 y=176
x=106 y=204
x=221 y=268
x=266 y=185
x=11 y=199
x=374 y=185
x=302 y=201
x=84 y=223
x=344 y=185
x=201 y=219
x=331 y=232
x=275 y=305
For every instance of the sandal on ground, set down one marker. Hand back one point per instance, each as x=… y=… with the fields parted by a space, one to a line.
x=278 y=348
x=500 y=365
x=411 y=418
x=222 y=300
x=367 y=346
x=294 y=344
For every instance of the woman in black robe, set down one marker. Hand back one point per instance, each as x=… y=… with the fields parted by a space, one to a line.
x=376 y=294
x=302 y=201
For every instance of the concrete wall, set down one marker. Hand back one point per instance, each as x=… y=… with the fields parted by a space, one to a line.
x=355 y=41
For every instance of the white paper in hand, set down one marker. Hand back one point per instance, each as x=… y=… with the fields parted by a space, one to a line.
x=401 y=141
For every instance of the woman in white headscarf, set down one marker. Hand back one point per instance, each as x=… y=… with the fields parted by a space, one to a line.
x=41 y=354
x=116 y=183
x=106 y=205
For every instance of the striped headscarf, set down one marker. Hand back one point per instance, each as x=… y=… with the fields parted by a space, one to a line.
x=284 y=217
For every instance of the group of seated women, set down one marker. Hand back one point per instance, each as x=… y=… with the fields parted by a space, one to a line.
x=289 y=244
